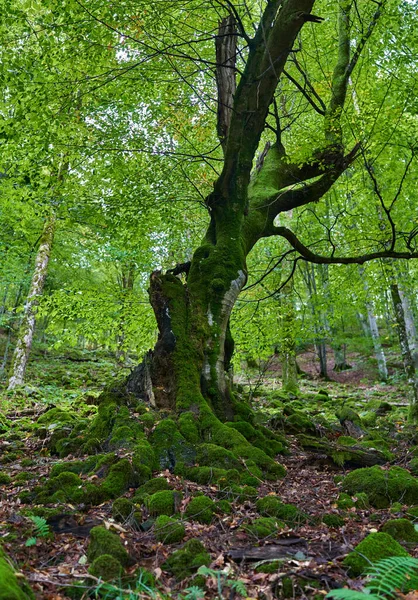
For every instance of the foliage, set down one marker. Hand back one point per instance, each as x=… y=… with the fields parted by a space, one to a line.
x=41 y=529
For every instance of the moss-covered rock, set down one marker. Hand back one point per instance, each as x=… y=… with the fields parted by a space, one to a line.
x=168 y=530
x=269 y=566
x=66 y=487
x=211 y=454
x=348 y=414
x=291 y=514
x=383 y=486
x=413 y=466
x=223 y=507
x=11 y=586
x=122 y=509
x=333 y=520
x=157 y=484
x=183 y=563
x=268 y=506
x=370 y=550
x=56 y=415
x=164 y=502
x=106 y=567
x=412 y=513
x=401 y=530
x=263 y=527
x=5 y=479
x=345 y=501
x=200 y=509
x=298 y=422
x=170 y=446
x=102 y=542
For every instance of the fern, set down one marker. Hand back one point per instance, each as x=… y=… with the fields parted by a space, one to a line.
x=388 y=577
x=41 y=526
x=30 y=542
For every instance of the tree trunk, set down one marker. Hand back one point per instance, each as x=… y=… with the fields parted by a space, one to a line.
x=127 y=280
x=411 y=331
x=374 y=330
x=408 y=361
x=320 y=341
x=27 y=326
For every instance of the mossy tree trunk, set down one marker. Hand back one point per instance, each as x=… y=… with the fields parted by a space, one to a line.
x=193 y=302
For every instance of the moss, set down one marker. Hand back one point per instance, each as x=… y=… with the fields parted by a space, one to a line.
x=188 y=427
x=168 y=530
x=121 y=437
x=163 y=503
x=27 y=462
x=370 y=550
x=348 y=414
x=223 y=507
x=401 y=530
x=346 y=440
x=206 y=475
x=396 y=507
x=157 y=484
x=262 y=527
x=5 y=479
x=268 y=506
x=333 y=520
x=369 y=419
x=102 y=542
x=290 y=514
x=413 y=466
x=23 y=476
x=106 y=567
x=362 y=500
x=383 y=487
x=170 y=446
x=298 y=422
x=56 y=415
x=210 y=454
x=345 y=501
x=11 y=586
x=122 y=509
x=183 y=563
x=120 y=478
x=287 y=590
x=200 y=509
x=269 y=567
x=66 y=487
x=147 y=419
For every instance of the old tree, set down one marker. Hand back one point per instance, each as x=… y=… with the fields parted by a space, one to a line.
x=303 y=97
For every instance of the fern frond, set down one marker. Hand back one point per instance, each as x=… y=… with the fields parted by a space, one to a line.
x=391 y=575
x=30 y=542
x=41 y=526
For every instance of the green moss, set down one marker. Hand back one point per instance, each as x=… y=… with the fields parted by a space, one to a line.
x=102 y=542
x=5 y=479
x=362 y=500
x=268 y=506
x=369 y=419
x=170 y=446
x=120 y=478
x=200 y=509
x=396 y=507
x=345 y=501
x=106 y=567
x=27 y=462
x=12 y=587
x=348 y=414
x=413 y=466
x=188 y=427
x=163 y=503
x=210 y=454
x=333 y=520
x=183 y=563
x=206 y=475
x=401 y=530
x=168 y=530
x=383 y=486
x=157 y=484
x=372 y=549
x=122 y=437
x=269 y=567
x=223 y=507
x=298 y=422
x=290 y=514
x=66 y=487
x=122 y=509
x=262 y=527
x=346 y=440
x=23 y=476
x=56 y=415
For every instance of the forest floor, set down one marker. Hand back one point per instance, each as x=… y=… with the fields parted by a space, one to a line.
x=304 y=558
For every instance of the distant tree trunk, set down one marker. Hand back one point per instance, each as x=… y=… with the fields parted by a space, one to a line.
x=364 y=324
x=406 y=352
x=340 y=358
x=27 y=327
x=288 y=344
x=374 y=330
x=127 y=284
x=320 y=345
x=411 y=331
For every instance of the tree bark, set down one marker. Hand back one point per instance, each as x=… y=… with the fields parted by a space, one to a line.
x=288 y=343
x=27 y=326
x=408 y=361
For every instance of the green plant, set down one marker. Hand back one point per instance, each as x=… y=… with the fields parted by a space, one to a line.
x=223 y=580
x=387 y=578
x=41 y=529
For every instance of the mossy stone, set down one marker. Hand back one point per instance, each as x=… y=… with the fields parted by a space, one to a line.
x=298 y=422
x=183 y=563
x=223 y=507
x=56 y=415
x=345 y=501
x=106 y=567
x=120 y=478
x=383 y=486
x=170 y=446
x=122 y=509
x=401 y=530
x=348 y=414
x=200 y=509
x=362 y=500
x=412 y=512
x=290 y=514
x=157 y=484
x=268 y=506
x=262 y=527
x=163 y=503
x=5 y=479
x=102 y=542
x=12 y=587
x=210 y=454
x=168 y=530
x=413 y=466
x=370 y=550
x=346 y=440
x=396 y=507
x=333 y=520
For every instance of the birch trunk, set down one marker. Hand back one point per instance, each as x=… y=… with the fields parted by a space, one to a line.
x=27 y=327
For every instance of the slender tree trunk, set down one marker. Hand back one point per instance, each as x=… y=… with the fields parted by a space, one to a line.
x=364 y=324
x=320 y=340
x=374 y=330
x=288 y=343
x=411 y=331
x=127 y=284
x=408 y=361
x=27 y=327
